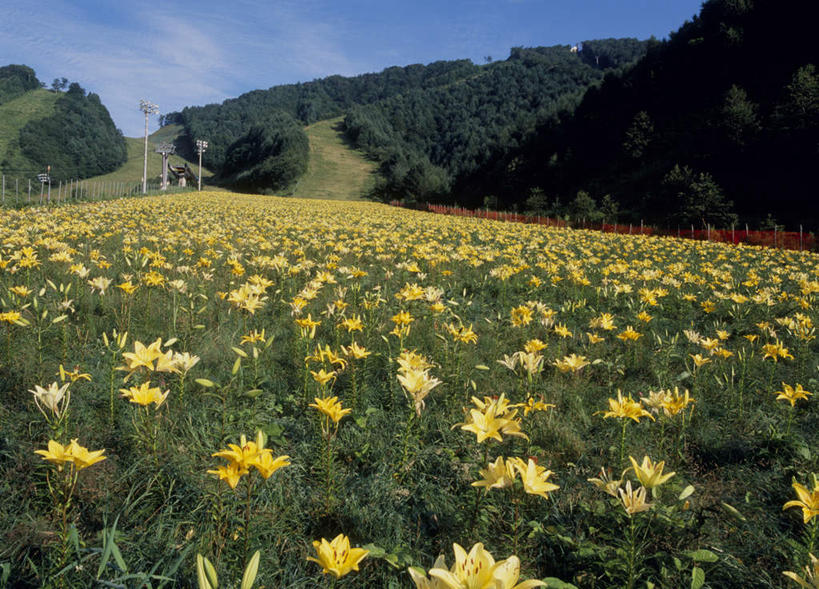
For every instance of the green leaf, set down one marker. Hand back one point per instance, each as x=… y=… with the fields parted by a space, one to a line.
x=106 y=550
x=375 y=551
x=702 y=555
x=118 y=556
x=555 y=583
x=697 y=578
x=253 y=393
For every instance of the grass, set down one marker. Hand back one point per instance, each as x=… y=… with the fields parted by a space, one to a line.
x=336 y=170
x=131 y=170
x=14 y=115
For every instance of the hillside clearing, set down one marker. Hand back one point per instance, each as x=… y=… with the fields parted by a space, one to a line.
x=14 y=115
x=336 y=170
x=131 y=170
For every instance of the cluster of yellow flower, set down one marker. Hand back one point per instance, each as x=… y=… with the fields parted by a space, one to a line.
x=246 y=455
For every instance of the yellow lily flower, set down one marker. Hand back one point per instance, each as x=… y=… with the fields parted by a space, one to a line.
x=606 y=483
x=81 y=457
x=267 y=465
x=336 y=557
x=650 y=475
x=419 y=576
x=56 y=454
x=571 y=363
x=497 y=475
x=230 y=474
x=626 y=408
x=811 y=578
x=535 y=478
x=144 y=394
x=633 y=501
x=478 y=570
x=791 y=394
x=331 y=407
x=322 y=376
x=808 y=501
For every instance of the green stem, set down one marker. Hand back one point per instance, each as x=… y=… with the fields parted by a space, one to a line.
x=631 y=553
x=405 y=451
x=812 y=536
x=248 y=495
x=517 y=521
x=790 y=421
x=623 y=441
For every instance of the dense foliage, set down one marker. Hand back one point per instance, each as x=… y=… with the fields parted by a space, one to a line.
x=426 y=139
x=217 y=374
x=78 y=141
x=16 y=80
x=733 y=94
x=270 y=156
x=426 y=125
x=222 y=124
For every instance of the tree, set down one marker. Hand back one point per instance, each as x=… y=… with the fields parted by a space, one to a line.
x=583 y=208
x=800 y=107
x=16 y=80
x=638 y=135
x=739 y=116
x=609 y=208
x=59 y=84
x=698 y=198
x=537 y=203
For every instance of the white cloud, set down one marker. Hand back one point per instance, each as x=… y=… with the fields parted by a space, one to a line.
x=175 y=56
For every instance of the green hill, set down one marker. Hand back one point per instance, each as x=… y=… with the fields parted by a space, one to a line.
x=335 y=170
x=425 y=125
x=726 y=110
x=66 y=129
x=131 y=170
x=15 y=114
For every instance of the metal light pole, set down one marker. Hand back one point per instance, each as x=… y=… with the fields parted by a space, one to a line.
x=201 y=146
x=149 y=108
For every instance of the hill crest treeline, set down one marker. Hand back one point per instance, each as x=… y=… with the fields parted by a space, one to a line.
x=408 y=118
x=78 y=139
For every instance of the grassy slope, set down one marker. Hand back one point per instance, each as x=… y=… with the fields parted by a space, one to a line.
x=336 y=171
x=131 y=170
x=14 y=115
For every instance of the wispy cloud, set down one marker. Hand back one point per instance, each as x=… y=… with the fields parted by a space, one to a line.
x=196 y=56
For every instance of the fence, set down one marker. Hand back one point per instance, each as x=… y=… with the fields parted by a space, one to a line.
x=19 y=192
x=795 y=240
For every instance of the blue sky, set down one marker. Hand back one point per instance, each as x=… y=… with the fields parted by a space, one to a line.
x=188 y=53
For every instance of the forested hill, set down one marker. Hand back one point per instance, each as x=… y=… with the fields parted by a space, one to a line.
x=65 y=128
x=405 y=117
x=225 y=123
x=721 y=119
x=427 y=139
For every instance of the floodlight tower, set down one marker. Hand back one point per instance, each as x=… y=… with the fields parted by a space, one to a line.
x=201 y=146
x=149 y=108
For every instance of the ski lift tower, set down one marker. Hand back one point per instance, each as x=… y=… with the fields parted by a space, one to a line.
x=165 y=149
